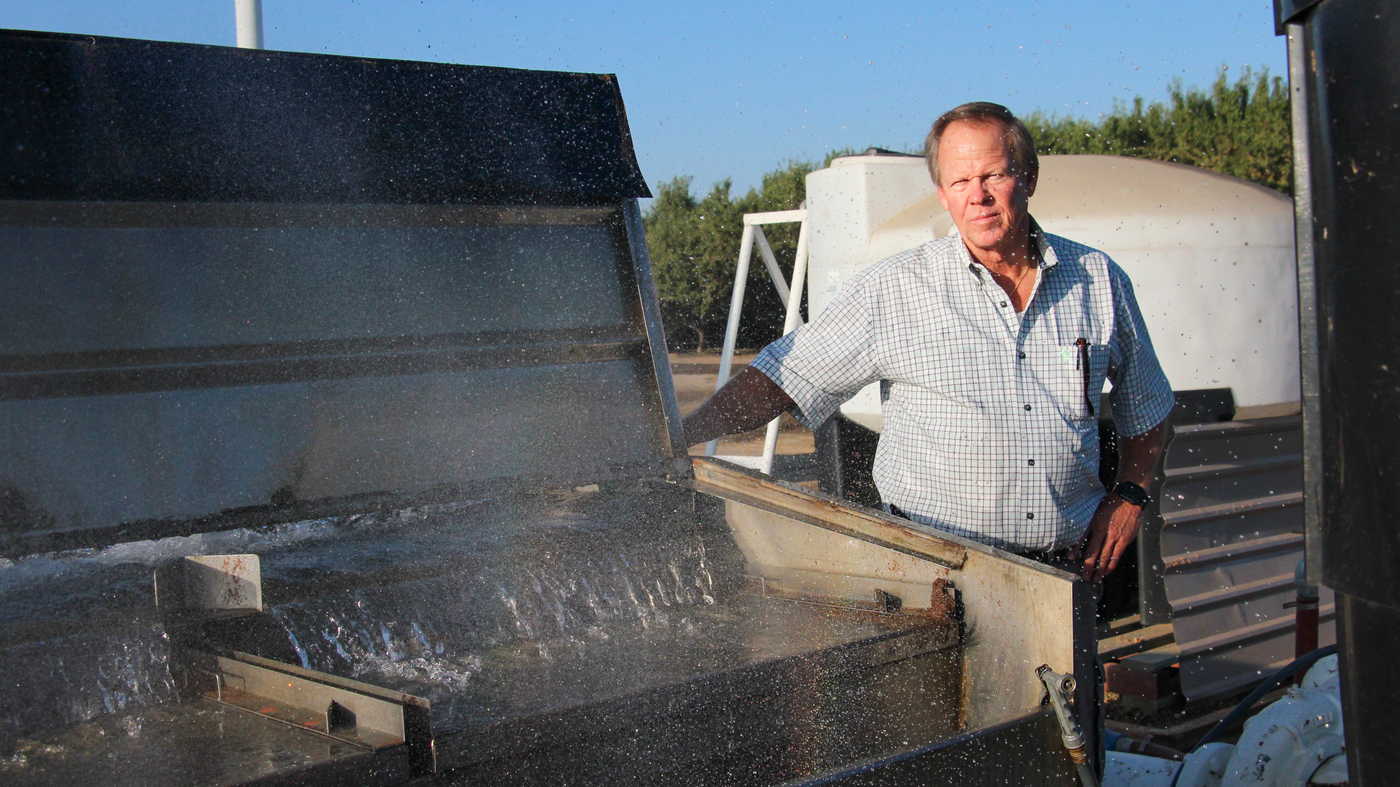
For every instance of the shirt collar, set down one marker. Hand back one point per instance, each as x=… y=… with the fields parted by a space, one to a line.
x=1042 y=245
x=1048 y=259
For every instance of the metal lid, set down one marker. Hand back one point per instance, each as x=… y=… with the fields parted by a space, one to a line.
x=91 y=118
x=256 y=287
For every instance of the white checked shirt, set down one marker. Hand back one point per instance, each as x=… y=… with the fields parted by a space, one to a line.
x=988 y=432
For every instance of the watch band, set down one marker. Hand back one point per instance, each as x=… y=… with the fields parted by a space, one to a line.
x=1132 y=493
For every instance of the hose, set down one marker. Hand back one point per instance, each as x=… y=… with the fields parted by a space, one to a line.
x=1302 y=662
x=1114 y=741
x=1248 y=702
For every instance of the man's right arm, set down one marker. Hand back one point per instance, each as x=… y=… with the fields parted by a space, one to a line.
x=746 y=402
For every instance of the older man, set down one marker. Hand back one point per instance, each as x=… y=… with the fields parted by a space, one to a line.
x=991 y=347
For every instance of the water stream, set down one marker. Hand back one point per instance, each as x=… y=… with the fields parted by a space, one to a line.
x=522 y=610
x=411 y=598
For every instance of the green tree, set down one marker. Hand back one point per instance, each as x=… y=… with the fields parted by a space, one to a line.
x=694 y=249
x=1241 y=129
x=692 y=246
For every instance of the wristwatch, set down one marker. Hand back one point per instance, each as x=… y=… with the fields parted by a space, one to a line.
x=1132 y=493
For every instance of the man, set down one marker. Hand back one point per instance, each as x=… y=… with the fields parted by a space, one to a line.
x=992 y=347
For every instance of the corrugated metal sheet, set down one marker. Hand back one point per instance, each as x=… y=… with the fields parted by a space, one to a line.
x=1232 y=511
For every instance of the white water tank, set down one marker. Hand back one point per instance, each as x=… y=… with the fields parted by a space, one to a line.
x=1211 y=256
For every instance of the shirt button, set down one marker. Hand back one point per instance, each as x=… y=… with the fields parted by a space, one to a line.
x=1003 y=304
x=1020 y=355
x=1030 y=462
x=1030 y=515
x=1028 y=407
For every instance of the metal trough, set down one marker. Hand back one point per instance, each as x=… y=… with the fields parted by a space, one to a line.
x=371 y=378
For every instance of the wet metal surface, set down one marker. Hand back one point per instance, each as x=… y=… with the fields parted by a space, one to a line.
x=192 y=744
x=1020 y=752
x=311 y=286
x=603 y=636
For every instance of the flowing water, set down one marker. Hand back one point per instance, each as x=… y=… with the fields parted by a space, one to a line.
x=523 y=609
x=412 y=597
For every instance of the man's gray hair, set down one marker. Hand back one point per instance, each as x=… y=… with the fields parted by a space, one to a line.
x=1019 y=140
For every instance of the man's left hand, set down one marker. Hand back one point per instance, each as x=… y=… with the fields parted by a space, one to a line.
x=1113 y=528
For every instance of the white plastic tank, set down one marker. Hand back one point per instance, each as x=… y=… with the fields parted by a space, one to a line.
x=1211 y=256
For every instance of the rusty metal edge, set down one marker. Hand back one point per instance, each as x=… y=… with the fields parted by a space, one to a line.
x=732 y=482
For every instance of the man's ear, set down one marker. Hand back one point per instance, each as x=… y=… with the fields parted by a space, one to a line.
x=1031 y=178
x=942 y=200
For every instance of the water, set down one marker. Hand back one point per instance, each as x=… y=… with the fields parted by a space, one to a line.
x=78 y=678
x=542 y=582
x=556 y=600
x=171 y=745
x=81 y=639
x=615 y=616
x=409 y=597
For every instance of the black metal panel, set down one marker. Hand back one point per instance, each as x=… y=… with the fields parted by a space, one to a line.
x=92 y=118
x=1026 y=751
x=1348 y=73
x=1356 y=178
x=1286 y=11
x=846 y=460
x=1369 y=638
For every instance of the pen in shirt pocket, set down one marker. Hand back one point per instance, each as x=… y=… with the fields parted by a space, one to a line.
x=1083 y=363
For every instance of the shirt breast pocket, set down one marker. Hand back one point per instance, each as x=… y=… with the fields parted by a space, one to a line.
x=1073 y=378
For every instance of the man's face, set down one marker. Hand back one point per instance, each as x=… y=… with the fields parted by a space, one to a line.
x=981 y=188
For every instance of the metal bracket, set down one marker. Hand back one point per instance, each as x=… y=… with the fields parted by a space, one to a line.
x=204 y=587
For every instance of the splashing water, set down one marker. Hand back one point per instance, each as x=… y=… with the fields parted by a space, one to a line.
x=430 y=632
x=78 y=678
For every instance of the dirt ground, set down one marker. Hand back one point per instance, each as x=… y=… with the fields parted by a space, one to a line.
x=695 y=375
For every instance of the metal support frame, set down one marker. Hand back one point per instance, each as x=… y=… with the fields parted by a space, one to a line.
x=1311 y=385
x=753 y=231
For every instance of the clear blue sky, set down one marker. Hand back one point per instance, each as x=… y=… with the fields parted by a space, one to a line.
x=722 y=89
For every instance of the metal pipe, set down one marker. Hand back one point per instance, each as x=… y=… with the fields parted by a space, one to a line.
x=1060 y=687
x=765 y=250
x=249 y=19
x=1310 y=361
x=1305 y=615
x=731 y=330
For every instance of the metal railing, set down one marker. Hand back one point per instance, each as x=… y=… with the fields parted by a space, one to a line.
x=753 y=234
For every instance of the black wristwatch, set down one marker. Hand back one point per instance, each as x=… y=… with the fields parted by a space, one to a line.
x=1132 y=493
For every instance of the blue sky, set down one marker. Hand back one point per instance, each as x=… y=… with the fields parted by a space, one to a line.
x=734 y=89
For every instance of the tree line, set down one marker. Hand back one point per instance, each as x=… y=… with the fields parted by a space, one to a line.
x=1239 y=128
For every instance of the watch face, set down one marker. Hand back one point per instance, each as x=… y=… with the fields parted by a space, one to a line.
x=1132 y=493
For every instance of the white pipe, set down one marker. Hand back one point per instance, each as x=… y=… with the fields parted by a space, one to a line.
x=731 y=331
x=790 y=323
x=249 y=19
x=799 y=280
x=774 y=272
x=775 y=217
